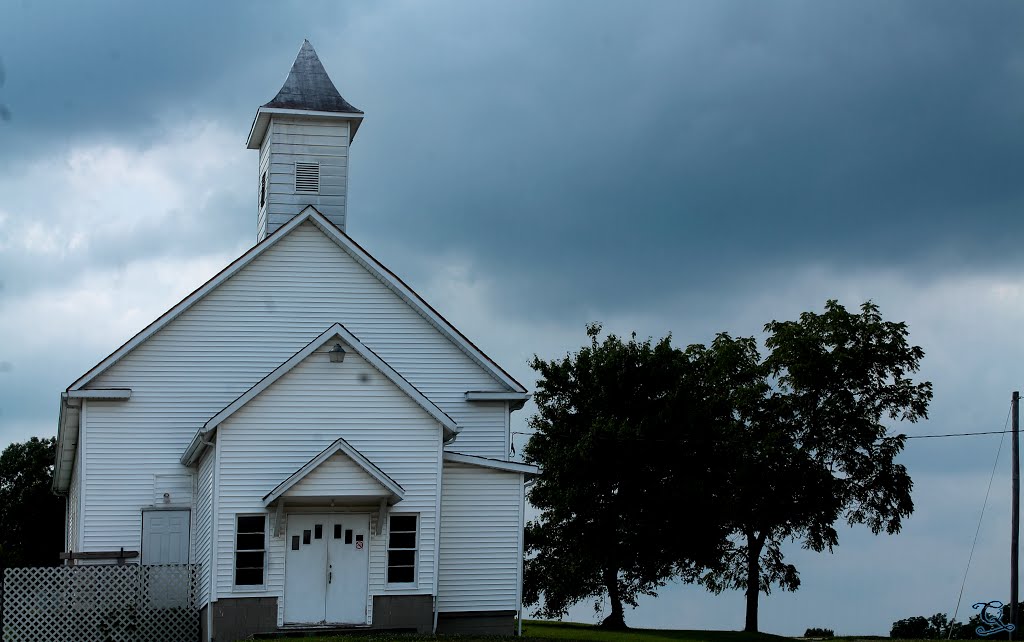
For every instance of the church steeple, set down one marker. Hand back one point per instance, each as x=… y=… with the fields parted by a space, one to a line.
x=303 y=135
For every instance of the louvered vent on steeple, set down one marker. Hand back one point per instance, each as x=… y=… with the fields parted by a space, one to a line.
x=307 y=178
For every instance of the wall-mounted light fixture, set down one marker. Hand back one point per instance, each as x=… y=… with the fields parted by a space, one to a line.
x=337 y=353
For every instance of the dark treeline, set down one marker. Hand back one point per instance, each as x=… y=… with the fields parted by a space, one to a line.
x=940 y=627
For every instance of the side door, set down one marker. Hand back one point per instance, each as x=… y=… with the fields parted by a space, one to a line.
x=165 y=549
x=165 y=536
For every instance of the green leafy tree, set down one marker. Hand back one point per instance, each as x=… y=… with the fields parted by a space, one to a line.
x=809 y=438
x=31 y=515
x=630 y=490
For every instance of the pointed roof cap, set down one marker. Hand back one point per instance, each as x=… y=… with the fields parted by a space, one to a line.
x=308 y=87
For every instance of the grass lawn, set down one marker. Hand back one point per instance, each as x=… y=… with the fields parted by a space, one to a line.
x=534 y=631
x=569 y=631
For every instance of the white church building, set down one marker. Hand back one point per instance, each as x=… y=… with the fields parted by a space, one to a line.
x=304 y=427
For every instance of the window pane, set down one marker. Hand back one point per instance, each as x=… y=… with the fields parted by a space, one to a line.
x=402 y=540
x=249 y=560
x=251 y=523
x=401 y=558
x=401 y=574
x=337 y=531
x=295 y=542
x=403 y=522
x=250 y=542
x=348 y=535
x=306 y=536
x=248 y=576
x=318 y=531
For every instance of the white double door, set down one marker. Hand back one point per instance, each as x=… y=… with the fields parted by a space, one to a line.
x=327 y=569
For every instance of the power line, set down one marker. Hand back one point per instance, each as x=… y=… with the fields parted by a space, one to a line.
x=958 y=434
x=949 y=434
x=977 y=531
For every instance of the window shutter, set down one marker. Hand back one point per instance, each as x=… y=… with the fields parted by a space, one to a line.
x=307 y=178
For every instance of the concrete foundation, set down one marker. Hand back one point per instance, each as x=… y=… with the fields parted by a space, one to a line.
x=404 y=612
x=477 y=623
x=232 y=619
x=237 y=618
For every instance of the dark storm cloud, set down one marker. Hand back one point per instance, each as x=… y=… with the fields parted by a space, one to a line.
x=612 y=153
x=113 y=67
x=618 y=154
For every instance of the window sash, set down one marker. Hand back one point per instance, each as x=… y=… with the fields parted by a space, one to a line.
x=245 y=549
x=398 y=556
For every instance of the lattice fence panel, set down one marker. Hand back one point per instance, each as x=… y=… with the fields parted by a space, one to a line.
x=129 y=603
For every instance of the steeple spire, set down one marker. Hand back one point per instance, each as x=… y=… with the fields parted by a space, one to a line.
x=308 y=87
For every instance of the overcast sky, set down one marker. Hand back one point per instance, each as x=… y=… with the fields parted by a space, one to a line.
x=683 y=167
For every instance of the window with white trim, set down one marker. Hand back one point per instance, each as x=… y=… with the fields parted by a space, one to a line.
x=402 y=548
x=250 y=549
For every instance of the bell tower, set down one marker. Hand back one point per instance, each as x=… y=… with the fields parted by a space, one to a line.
x=303 y=135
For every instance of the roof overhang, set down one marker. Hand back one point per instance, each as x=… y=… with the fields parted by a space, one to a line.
x=529 y=470
x=263 y=115
x=391 y=491
x=515 y=399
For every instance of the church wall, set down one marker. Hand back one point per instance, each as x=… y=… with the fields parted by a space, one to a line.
x=481 y=530
x=225 y=343
x=294 y=420
x=202 y=538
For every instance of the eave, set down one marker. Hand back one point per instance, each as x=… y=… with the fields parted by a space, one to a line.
x=261 y=122
x=529 y=470
x=515 y=399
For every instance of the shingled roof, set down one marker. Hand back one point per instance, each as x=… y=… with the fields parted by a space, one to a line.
x=308 y=87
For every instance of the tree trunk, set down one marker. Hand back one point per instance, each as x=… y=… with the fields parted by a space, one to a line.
x=754 y=546
x=616 y=619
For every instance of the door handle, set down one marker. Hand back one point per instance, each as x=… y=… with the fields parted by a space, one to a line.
x=329 y=575
x=330 y=572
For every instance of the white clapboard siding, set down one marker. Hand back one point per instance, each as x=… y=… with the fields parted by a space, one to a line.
x=203 y=534
x=481 y=527
x=74 y=497
x=229 y=340
x=338 y=472
x=290 y=140
x=292 y=421
x=264 y=174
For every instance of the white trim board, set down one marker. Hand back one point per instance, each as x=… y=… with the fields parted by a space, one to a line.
x=339 y=445
x=195 y=448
